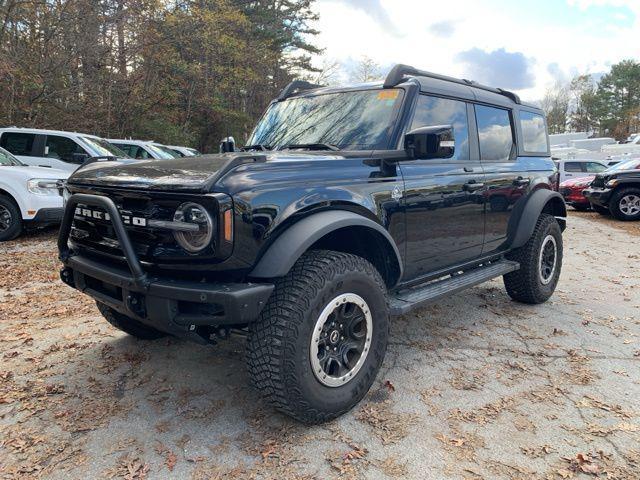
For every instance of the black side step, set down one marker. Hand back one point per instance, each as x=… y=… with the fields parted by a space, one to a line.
x=406 y=300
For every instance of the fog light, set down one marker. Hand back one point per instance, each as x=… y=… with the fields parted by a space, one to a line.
x=193 y=213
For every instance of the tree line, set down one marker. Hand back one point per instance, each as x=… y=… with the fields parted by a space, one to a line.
x=179 y=71
x=608 y=107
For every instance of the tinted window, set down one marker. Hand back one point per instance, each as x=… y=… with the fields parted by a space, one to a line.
x=494 y=133
x=18 y=143
x=432 y=111
x=63 y=148
x=573 y=167
x=593 y=167
x=534 y=133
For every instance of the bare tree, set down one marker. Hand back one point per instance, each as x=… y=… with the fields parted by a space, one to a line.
x=367 y=70
x=556 y=106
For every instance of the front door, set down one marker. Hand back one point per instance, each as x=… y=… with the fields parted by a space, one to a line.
x=443 y=199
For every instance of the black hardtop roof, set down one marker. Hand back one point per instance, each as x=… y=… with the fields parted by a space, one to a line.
x=429 y=83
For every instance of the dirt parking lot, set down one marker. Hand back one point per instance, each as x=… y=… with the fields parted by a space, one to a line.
x=474 y=387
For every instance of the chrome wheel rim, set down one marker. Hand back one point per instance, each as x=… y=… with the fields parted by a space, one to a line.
x=630 y=205
x=548 y=259
x=341 y=340
x=5 y=218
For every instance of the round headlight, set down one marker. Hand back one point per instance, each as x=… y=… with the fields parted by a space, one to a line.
x=194 y=214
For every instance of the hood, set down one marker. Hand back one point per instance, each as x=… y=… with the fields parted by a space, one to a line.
x=575 y=181
x=193 y=174
x=28 y=172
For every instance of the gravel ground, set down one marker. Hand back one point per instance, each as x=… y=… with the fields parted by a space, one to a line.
x=474 y=387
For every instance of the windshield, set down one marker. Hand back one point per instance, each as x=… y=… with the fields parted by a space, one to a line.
x=168 y=151
x=7 y=160
x=104 y=148
x=159 y=153
x=633 y=164
x=360 y=120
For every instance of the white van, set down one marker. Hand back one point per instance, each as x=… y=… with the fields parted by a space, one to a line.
x=579 y=168
x=53 y=148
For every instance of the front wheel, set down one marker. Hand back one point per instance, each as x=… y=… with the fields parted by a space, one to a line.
x=625 y=204
x=10 y=219
x=320 y=340
x=540 y=262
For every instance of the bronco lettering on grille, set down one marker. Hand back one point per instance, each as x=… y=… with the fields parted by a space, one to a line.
x=98 y=215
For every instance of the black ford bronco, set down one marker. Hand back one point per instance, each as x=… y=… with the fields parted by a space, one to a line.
x=346 y=207
x=617 y=191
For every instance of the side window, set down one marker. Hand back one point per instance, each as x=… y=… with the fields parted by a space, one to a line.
x=432 y=111
x=495 y=133
x=18 y=143
x=534 y=133
x=62 y=148
x=573 y=167
x=593 y=167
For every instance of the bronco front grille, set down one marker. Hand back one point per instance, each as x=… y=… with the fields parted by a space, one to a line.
x=93 y=231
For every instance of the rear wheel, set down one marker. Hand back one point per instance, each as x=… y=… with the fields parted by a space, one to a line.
x=320 y=341
x=540 y=263
x=129 y=325
x=10 y=219
x=625 y=204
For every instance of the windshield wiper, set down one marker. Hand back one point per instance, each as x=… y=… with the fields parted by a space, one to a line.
x=259 y=146
x=310 y=146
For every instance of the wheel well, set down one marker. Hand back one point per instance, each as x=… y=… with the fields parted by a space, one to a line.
x=556 y=207
x=366 y=243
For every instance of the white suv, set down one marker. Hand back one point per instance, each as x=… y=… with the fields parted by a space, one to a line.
x=29 y=196
x=143 y=150
x=55 y=149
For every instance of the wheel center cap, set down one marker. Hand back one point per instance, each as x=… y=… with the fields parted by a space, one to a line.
x=334 y=336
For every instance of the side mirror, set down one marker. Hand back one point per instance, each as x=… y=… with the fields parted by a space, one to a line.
x=430 y=142
x=227 y=144
x=79 y=158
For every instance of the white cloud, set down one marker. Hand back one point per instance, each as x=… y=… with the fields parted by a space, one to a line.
x=401 y=31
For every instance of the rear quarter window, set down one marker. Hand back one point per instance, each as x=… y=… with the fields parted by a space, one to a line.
x=534 y=132
x=18 y=143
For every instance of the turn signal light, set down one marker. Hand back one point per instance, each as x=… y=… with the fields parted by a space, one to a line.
x=228 y=226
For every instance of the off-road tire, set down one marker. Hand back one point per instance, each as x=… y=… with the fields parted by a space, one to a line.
x=614 y=203
x=526 y=285
x=278 y=350
x=600 y=209
x=15 y=226
x=129 y=325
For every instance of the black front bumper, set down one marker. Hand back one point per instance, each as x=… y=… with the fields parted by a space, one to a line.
x=178 y=307
x=47 y=216
x=598 y=196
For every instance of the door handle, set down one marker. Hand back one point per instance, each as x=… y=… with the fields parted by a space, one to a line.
x=521 y=182
x=468 y=169
x=472 y=186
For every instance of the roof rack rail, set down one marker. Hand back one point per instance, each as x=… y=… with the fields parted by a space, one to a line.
x=297 y=86
x=398 y=72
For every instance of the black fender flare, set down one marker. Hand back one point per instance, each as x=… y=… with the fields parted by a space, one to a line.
x=525 y=215
x=278 y=259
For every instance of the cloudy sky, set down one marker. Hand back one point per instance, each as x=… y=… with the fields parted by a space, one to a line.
x=522 y=45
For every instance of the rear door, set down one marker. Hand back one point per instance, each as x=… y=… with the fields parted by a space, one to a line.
x=573 y=169
x=443 y=197
x=506 y=176
x=28 y=147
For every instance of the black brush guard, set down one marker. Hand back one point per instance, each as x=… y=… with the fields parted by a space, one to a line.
x=171 y=305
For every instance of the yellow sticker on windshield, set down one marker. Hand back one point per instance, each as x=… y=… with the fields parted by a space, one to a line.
x=388 y=94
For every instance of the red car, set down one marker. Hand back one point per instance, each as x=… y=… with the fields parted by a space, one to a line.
x=572 y=189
